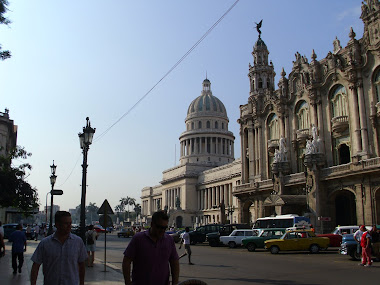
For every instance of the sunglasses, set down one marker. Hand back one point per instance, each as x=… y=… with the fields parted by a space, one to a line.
x=161 y=227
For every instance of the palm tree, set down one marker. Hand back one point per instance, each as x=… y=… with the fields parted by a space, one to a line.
x=131 y=202
x=137 y=210
x=123 y=203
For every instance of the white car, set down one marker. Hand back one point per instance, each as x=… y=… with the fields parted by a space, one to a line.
x=235 y=238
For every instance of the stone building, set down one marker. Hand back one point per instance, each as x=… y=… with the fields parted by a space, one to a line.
x=310 y=147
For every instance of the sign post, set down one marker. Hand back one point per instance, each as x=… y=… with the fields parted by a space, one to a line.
x=105 y=221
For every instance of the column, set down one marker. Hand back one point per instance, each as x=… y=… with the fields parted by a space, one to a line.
x=226 y=195
x=320 y=125
x=217 y=196
x=353 y=110
x=259 y=139
x=252 y=156
x=363 y=118
x=233 y=149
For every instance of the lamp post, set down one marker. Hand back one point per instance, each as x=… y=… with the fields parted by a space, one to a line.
x=230 y=210
x=85 y=140
x=53 y=178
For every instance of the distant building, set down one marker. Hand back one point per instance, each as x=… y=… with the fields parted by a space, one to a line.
x=8 y=140
x=310 y=147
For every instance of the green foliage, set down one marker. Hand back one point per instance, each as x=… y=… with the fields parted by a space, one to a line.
x=3 y=20
x=15 y=191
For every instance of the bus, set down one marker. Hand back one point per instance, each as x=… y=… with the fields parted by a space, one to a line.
x=283 y=221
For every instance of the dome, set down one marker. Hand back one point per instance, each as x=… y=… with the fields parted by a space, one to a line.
x=206 y=104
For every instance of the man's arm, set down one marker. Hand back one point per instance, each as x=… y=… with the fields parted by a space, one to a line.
x=174 y=267
x=34 y=273
x=127 y=270
x=82 y=270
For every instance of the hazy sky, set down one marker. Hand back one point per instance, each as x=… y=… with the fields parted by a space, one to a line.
x=73 y=59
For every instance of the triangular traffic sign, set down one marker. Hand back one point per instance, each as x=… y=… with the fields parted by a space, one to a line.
x=105 y=207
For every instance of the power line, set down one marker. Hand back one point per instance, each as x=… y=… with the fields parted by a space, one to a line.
x=170 y=70
x=159 y=81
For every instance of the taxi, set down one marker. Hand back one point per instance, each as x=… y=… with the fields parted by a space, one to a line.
x=297 y=240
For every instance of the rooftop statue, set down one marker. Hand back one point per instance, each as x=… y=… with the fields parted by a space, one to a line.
x=258 y=26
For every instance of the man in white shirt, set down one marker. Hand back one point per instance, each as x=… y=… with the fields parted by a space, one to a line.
x=358 y=236
x=186 y=241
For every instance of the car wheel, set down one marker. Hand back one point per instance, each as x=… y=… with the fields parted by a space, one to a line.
x=274 y=249
x=314 y=248
x=251 y=247
x=356 y=255
x=232 y=244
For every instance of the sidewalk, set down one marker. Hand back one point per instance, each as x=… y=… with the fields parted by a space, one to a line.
x=94 y=275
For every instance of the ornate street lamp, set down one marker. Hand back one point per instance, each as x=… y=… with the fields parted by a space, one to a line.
x=53 y=178
x=85 y=140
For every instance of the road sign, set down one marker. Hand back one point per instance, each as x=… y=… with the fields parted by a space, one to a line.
x=56 y=192
x=105 y=222
x=105 y=209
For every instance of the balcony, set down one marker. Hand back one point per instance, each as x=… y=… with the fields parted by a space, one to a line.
x=272 y=145
x=339 y=125
x=302 y=136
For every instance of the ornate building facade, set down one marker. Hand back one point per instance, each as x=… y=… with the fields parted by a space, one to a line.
x=310 y=147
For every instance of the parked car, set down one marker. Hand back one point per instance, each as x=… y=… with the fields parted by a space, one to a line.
x=10 y=228
x=235 y=238
x=99 y=229
x=214 y=237
x=349 y=247
x=126 y=232
x=336 y=235
x=251 y=243
x=199 y=234
x=297 y=240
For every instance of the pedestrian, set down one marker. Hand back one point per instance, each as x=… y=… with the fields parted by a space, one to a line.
x=365 y=243
x=151 y=253
x=358 y=236
x=91 y=237
x=62 y=254
x=2 y=244
x=36 y=231
x=375 y=242
x=1 y=229
x=186 y=241
x=18 y=240
x=28 y=232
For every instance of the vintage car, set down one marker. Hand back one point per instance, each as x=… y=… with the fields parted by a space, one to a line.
x=235 y=238
x=251 y=243
x=99 y=229
x=336 y=236
x=199 y=234
x=125 y=232
x=297 y=240
x=214 y=237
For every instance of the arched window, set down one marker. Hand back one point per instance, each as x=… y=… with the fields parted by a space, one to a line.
x=377 y=85
x=222 y=126
x=339 y=102
x=208 y=125
x=302 y=113
x=192 y=125
x=273 y=128
x=216 y=125
x=199 y=125
x=260 y=83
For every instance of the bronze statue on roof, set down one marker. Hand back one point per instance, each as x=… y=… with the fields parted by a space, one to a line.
x=258 y=26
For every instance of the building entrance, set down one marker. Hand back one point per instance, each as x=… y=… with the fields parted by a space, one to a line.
x=345 y=209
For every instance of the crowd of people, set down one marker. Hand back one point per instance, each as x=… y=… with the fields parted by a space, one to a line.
x=369 y=243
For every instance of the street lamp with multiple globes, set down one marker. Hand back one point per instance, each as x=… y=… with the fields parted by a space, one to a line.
x=53 y=178
x=85 y=139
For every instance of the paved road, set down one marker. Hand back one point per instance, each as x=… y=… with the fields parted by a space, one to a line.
x=223 y=265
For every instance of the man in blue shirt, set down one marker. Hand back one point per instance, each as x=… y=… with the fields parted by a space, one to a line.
x=18 y=240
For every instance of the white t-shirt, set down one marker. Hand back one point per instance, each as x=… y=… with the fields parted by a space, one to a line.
x=186 y=238
x=358 y=235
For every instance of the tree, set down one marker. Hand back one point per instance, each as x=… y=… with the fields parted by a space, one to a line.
x=128 y=201
x=137 y=210
x=92 y=213
x=4 y=54
x=15 y=191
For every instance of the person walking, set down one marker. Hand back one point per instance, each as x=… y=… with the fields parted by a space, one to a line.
x=62 y=254
x=18 y=240
x=186 y=241
x=91 y=237
x=365 y=243
x=358 y=236
x=28 y=232
x=151 y=253
x=36 y=231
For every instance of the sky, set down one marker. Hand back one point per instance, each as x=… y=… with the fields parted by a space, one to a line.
x=77 y=59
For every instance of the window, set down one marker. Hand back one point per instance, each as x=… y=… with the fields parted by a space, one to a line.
x=260 y=83
x=377 y=85
x=222 y=126
x=273 y=127
x=192 y=125
x=339 y=102
x=208 y=125
x=199 y=125
x=239 y=233
x=248 y=233
x=302 y=114
x=268 y=83
x=216 y=125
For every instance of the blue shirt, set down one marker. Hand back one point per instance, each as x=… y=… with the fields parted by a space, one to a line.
x=18 y=238
x=60 y=261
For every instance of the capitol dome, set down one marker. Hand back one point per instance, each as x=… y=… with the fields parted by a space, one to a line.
x=207 y=139
x=206 y=104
